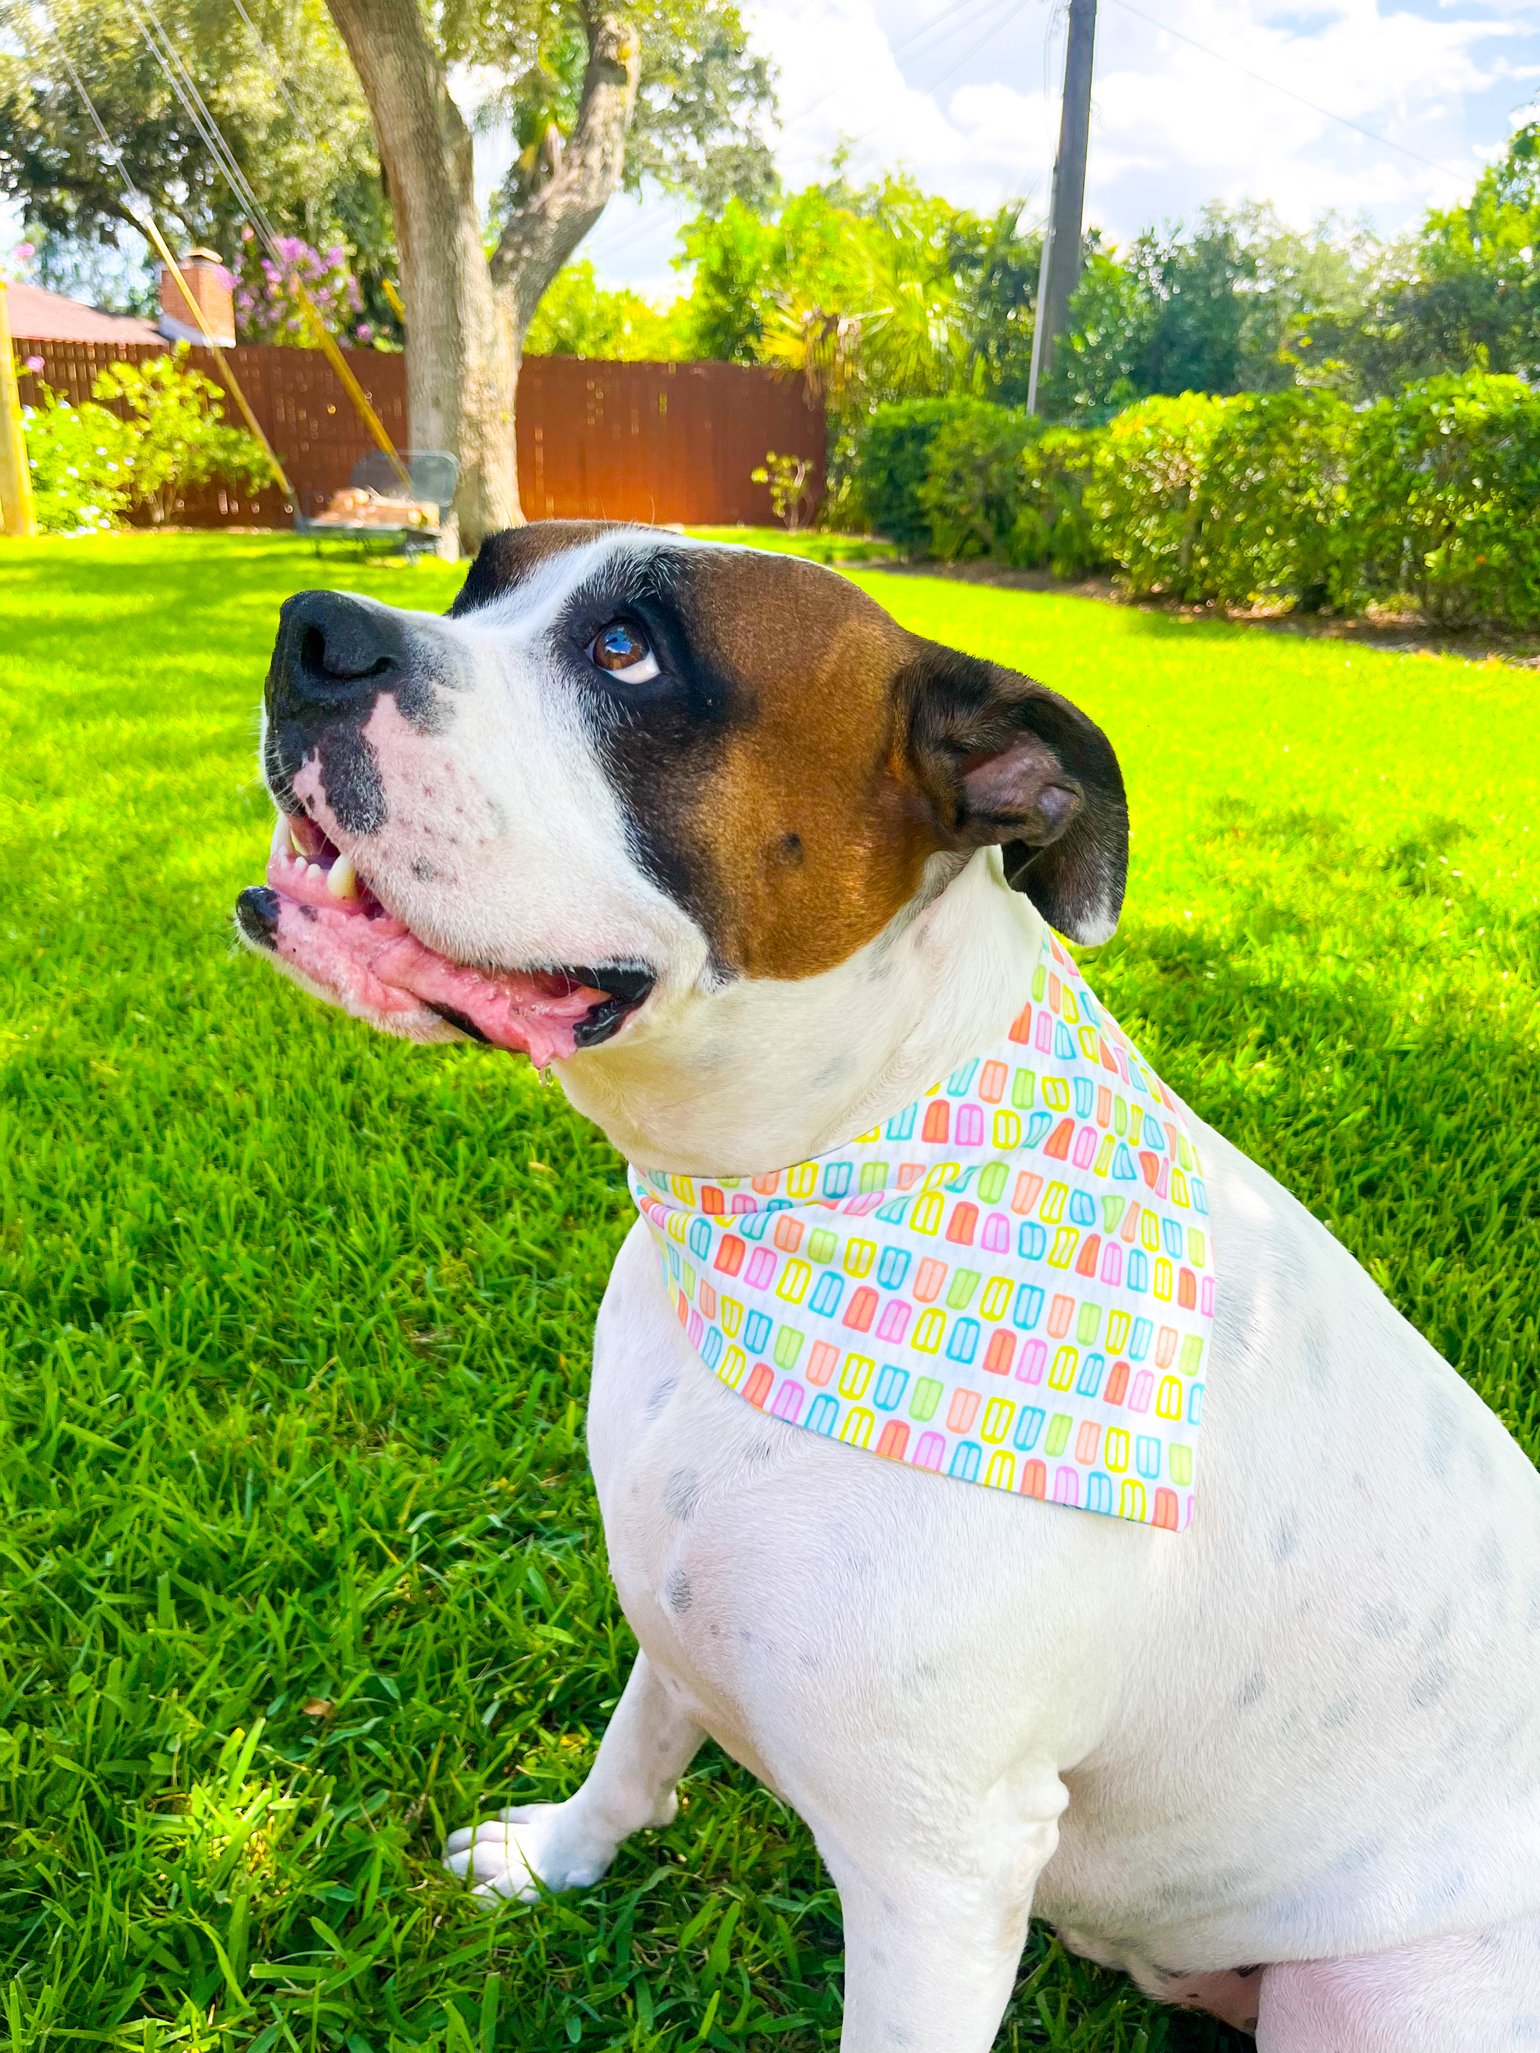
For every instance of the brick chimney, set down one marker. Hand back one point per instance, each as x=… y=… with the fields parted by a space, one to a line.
x=209 y=283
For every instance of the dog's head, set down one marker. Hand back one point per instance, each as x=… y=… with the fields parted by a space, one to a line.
x=628 y=768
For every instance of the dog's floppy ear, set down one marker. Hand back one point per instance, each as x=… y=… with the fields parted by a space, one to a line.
x=1005 y=760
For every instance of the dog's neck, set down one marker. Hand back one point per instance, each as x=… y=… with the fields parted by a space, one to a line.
x=759 y=1074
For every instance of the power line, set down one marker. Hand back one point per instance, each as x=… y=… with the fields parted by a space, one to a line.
x=1288 y=92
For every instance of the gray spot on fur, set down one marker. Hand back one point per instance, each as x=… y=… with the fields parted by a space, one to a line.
x=1385 y=1621
x=681 y=1494
x=1251 y=1691
x=1430 y=1685
x=678 y=1593
x=1492 y=1560
x=660 y=1397
x=1338 y=1714
x=1443 y=1438
x=834 y=1072
x=1439 y=1626
x=1284 y=1538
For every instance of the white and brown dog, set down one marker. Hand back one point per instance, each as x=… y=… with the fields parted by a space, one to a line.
x=709 y=831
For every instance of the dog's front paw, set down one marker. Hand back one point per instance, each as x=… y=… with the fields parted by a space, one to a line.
x=534 y=1847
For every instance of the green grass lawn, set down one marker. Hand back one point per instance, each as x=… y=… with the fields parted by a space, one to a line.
x=301 y=1564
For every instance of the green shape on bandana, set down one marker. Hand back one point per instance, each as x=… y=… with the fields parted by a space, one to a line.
x=788 y=1345
x=1058 y=1433
x=927 y=1395
x=964 y=1283
x=1024 y=1090
x=874 y=1176
x=821 y=1244
x=992 y=1181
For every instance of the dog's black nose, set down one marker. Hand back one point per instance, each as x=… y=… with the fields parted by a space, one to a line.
x=332 y=651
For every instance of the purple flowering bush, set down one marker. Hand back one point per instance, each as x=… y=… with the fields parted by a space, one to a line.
x=270 y=308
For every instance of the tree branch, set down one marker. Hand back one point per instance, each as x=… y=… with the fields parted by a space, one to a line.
x=543 y=232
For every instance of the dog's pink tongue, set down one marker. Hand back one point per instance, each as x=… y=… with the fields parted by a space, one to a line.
x=380 y=965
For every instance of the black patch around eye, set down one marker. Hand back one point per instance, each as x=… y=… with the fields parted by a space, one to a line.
x=659 y=740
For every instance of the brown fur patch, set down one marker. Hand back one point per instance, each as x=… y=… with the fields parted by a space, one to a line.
x=811 y=824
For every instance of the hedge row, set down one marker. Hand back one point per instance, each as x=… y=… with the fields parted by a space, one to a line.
x=1428 y=499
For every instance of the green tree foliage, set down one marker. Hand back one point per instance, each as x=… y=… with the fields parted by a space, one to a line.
x=703 y=102
x=1466 y=294
x=880 y=292
x=1237 y=303
x=580 y=317
x=303 y=141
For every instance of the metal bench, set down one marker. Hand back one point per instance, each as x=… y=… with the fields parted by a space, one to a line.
x=411 y=521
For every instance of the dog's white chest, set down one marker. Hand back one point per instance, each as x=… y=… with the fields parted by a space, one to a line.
x=1271 y=1728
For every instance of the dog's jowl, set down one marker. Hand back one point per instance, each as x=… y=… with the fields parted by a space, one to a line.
x=994 y=1460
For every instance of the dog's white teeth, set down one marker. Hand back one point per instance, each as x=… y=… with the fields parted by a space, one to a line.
x=342 y=878
x=295 y=843
x=315 y=870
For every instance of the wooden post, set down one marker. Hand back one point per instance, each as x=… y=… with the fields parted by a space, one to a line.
x=16 y=516
x=1059 y=272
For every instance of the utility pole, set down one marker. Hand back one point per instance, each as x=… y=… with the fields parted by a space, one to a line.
x=1059 y=272
x=15 y=478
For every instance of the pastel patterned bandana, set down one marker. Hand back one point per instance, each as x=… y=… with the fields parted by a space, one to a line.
x=1009 y=1282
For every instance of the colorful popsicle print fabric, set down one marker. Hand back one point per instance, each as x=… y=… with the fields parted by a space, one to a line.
x=1010 y=1282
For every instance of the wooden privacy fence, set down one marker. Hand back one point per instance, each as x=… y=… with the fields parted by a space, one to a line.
x=597 y=441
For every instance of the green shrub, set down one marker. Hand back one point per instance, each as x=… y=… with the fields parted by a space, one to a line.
x=1443 y=491
x=79 y=460
x=1053 y=528
x=892 y=461
x=1270 y=499
x=149 y=431
x=1000 y=486
x=975 y=489
x=1145 y=498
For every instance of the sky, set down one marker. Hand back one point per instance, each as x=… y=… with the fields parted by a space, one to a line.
x=963 y=93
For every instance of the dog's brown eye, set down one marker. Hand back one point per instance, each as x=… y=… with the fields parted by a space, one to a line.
x=621 y=651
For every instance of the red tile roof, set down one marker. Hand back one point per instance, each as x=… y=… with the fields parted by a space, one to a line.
x=38 y=316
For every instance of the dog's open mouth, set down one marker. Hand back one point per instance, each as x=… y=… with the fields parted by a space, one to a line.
x=320 y=917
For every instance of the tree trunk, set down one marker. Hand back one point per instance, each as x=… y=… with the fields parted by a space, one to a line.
x=542 y=233
x=460 y=358
x=466 y=322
